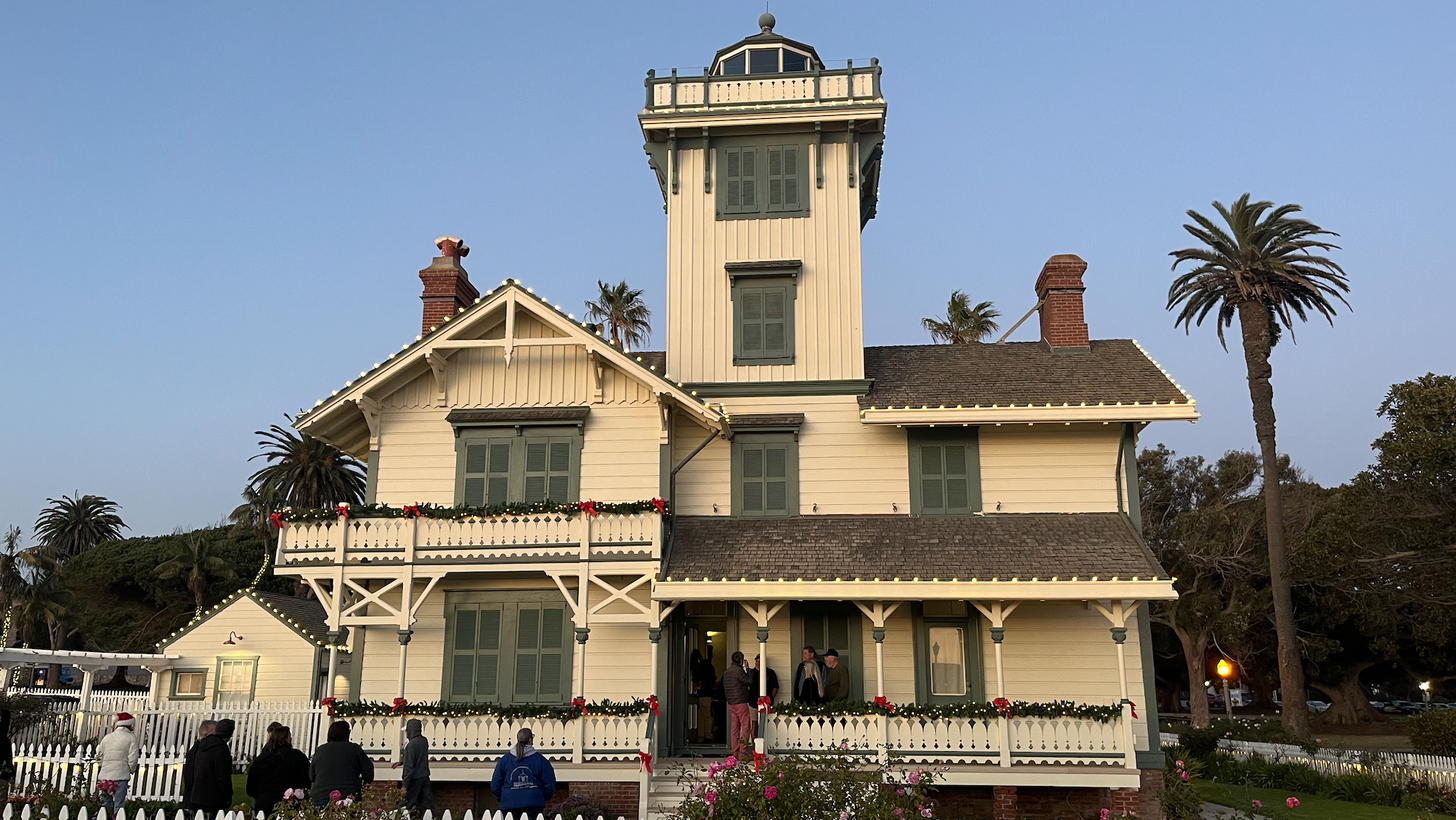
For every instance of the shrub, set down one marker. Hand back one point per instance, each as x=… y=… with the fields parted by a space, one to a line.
x=581 y=807
x=1180 y=800
x=833 y=786
x=1200 y=743
x=1434 y=732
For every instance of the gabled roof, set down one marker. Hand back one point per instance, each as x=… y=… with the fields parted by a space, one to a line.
x=869 y=547
x=351 y=404
x=305 y=616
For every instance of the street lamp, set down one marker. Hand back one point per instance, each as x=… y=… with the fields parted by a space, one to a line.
x=1226 y=671
x=1426 y=691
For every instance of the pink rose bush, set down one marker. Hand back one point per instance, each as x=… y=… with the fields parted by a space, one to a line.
x=834 y=785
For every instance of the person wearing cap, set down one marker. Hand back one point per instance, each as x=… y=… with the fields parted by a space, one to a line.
x=211 y=789
x=118 y=753
x=524 y=780
x=836 y=677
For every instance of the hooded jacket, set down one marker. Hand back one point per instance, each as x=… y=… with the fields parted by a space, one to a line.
x=275 y=771
x=211 y=787
x=416 y=756
x=118 y=752
x=339 y=766
x=523 y=779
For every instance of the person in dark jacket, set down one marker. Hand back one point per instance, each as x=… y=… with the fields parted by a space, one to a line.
x=212 y=771
x=7 y=754
x=204 y=730
x=278 y=768
x=339 y=765
x=524 y=780
x=419 y=796
x=740 y=689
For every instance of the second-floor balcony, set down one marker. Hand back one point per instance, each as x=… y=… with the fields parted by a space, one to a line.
x=422 y=540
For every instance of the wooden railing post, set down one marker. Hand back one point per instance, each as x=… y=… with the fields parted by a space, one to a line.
x=1005 y=741
x=1129 y=753
x=651 y=89
x=884 y=721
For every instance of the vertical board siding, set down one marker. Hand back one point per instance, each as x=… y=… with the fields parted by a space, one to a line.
x=900 y=668
x=828 y=310
x=284 y=656
x=1064 y=651
x=1050 y=468
x=845 y=466
x=620 y=456
x=416 y=458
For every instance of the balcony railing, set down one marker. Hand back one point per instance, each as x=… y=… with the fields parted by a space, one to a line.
x=997 y=741
x=836 y=86
x=589 y=738
x=441 y=541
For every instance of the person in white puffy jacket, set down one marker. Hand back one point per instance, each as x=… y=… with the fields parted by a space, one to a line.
x=118 y=753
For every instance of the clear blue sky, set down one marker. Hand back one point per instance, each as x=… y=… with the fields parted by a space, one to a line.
x=212 y=214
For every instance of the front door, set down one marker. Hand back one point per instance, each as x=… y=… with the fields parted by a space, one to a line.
x=703 y=640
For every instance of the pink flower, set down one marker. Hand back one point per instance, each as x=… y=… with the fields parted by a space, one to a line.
x=925 y=812
x=1292 y=802
x=899 y=812
x=1258 y=804
x=900 y=792
x=1180 y=764
x=711 y=797
x=771 y=792
x=1185 y=776
x=336 y=795
x=730 y=763
x=781 y=774
x=1106 y=813
x=914 y=778
x=844 y=815
x=697 y=788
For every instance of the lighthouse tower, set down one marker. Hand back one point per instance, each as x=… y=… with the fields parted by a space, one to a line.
x=769 y=165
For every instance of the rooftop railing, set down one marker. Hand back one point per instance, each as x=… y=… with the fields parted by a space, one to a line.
x=675 y=93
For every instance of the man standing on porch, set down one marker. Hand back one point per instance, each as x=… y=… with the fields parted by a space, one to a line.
x=836 y=678
x=809 y=678
x=740 y=689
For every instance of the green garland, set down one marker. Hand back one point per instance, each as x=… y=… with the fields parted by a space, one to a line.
x=514 y=509
x=971 y=709
x=346 y=709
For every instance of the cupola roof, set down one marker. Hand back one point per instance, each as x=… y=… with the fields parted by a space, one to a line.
x=766 y=53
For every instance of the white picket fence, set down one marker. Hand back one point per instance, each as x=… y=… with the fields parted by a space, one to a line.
x=68 y=768
x=25 y=813
x=1435 y=769
x=175 y=724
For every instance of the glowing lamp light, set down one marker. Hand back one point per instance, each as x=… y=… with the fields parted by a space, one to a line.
x=1225 y=669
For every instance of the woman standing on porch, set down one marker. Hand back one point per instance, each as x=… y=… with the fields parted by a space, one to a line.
x=809 y=678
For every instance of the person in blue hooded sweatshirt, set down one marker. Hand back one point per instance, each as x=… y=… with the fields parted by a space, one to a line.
x=524 y=780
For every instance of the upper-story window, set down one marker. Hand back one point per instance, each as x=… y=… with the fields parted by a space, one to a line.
x=520 y=460
x=945 y=471
x=761 y=179
x=766 y=61
x=765 y=475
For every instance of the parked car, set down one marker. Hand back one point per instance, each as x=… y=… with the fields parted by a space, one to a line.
x=1377 y=705
x=1316 y=706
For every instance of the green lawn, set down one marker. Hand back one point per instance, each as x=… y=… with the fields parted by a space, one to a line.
x=1323 y=808
x=240 y=789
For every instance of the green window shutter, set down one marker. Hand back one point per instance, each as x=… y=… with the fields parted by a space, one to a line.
x=550 y=469
x=748 y=186
x=462 y=677
x=957 y=482
x=499 y=473
x=542 y=654
x=475 y=474
x=753 y=479
x=475 y=655
x=776 y=480
x=528 y=654
x=751 y=324
x=932 y=480
x=553 y=654
x=730 y=179
x=775 y=322
x=783 y=178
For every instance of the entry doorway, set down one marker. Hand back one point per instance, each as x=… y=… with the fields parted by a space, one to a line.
x=704 y=638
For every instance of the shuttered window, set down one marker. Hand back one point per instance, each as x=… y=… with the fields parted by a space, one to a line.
x=498 y=467
x=758 y=180
x=508 y=648
x=765 y=475
x=944 y=472
x=763 y=310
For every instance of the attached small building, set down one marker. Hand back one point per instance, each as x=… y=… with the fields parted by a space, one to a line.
x=251 y=647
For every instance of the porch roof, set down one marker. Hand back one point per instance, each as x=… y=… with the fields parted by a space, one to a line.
x=1017 y=547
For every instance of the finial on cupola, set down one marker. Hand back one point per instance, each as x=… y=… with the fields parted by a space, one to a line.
x=766 y=22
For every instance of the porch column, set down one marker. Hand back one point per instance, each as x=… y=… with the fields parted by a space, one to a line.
x=762 y=677
x=997 y=612
x=1119 y=637
x=1117 y=613
x=879 y=633
x=654 y=635
x=582 y=633
x=333 y=663
x=87 y=678
x=404 y=639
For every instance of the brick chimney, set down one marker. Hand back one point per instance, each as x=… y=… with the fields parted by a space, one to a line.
x=1059 y=288
x=447 y=285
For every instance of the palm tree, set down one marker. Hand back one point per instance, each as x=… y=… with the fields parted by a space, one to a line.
x=43 y=602
x=963 y=323
x=627 y=316
x=73 y=524
x=10 y=579
x=304 y=472
x=1266 y=269
x=198 y=559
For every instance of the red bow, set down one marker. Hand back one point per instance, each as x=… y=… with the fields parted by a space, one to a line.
x=646 y=761
x=765 y=705
x=660 y=505
x=343 y=510
x=277 y=519
x=399 y=704
x=411 y=511
x=881 y=700
x=760 y=760
x=329 y=704
x=1134 y=709
x=580 y=703
x=1003 y=706
x=652 y=704
x=589 y=507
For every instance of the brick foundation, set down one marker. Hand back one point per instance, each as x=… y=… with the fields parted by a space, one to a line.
x=619 y=798
x=1150 y=795
x=1046 y=803
x=1125 y=803
x=1003 y=803
x=457 y=797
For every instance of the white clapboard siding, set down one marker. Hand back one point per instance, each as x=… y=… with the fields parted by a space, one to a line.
x=1050 y=468
x=284 y=656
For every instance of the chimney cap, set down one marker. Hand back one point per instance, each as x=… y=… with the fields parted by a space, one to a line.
x=457 y=246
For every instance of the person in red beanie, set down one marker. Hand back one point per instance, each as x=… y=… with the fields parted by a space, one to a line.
x=118 y=753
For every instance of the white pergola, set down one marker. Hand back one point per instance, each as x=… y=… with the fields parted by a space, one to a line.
x=88 y=662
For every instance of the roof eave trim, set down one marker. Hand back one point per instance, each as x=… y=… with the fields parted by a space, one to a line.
x=1031 y=414
x=914 y=590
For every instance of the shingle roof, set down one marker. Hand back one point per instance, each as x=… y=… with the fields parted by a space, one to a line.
x=1023 y=545
x=1115 y=370
x=653 y=358
x=307 y=613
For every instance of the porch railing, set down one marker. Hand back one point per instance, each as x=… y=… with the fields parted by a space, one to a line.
x=1000 y=741
x=429 y=540
x=589 y=738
